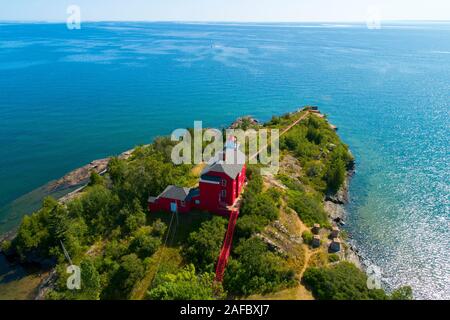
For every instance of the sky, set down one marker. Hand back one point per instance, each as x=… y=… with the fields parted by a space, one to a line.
x=226 y=10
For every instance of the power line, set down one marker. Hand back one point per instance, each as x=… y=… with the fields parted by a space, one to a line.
x=162 y=251
x=66 y=253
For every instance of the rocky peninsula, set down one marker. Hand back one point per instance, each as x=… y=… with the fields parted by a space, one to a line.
x=279 y=235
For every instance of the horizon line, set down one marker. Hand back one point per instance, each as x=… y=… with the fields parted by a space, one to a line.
x=225 y=21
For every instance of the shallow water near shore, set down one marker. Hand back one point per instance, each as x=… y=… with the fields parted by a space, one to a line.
x=18 y=282
x=69 y=97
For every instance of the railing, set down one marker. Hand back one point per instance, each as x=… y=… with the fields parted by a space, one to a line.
x=223 y=204
x=226 y=248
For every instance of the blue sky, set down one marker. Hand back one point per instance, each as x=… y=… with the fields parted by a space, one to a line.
x=226 y=10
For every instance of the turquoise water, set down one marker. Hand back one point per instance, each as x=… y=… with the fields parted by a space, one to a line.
x=68 y=97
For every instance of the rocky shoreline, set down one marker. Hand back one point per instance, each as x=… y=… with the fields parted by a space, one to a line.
x=334 y=205
x=75 y=178
x=8 y=236
x=78 y=177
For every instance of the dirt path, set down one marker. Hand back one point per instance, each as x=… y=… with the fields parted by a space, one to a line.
x=282 y=133
x=163 y=256
x=141 y=288
x=307 y=257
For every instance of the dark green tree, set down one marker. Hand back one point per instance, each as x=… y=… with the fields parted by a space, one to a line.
x=96 y=179
x=90 y=281
x=130 y=271
x=203 y=246
x=342 y=281
x=254 y=269
x=134 y=217
x=249 y=225
x=402 y=293
x=143 y=243
x=335 y=174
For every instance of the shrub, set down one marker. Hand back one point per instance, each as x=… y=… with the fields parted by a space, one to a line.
x=254 y=269
x=96 y=179
x=248 y=225
x=130 y=271
x=143 y=244
x=291 y=183
x=261 y=205
x=309 y=209
x=343 y=281
x=337 y=168
x=133 y=217
x=307 y=237
x=314 y=135
x=5 y=246
x=333 y=257
x=90 y=281
x=158 y=228
x=335 y=175
x=40 y=233
x=402 y=293
x=186 y=285
x=275 y=195
x=203 y=246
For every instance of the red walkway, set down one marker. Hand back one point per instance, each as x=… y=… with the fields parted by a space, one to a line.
x=226 y=248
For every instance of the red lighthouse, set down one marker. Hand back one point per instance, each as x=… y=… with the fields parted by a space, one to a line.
x=220 y=185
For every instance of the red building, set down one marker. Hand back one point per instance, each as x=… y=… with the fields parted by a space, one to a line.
x=220 y=185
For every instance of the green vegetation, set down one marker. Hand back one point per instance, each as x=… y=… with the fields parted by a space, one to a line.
x=322 y=165
x=336 y=168
x=307 y=237
x=343 y=281
x=317 y=165
x=96 y=179
x=309 y=208
x=402 y=293
x=143 y=243
x=124 y=253
x=258 y=207
x=5 y=246
x=40 y=234
x=203 y=246
x=105 y=230
x=333 y=257
x=254 y=269
x=320 y=152
x=129 y=271
x=186 y=285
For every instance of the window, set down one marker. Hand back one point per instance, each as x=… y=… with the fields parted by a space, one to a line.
x=197 y=201
x=224 y=182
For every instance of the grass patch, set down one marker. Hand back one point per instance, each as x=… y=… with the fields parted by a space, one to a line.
x=182 y=225
x=163 y=261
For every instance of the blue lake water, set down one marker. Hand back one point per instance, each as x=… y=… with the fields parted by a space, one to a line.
x=70 y=96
